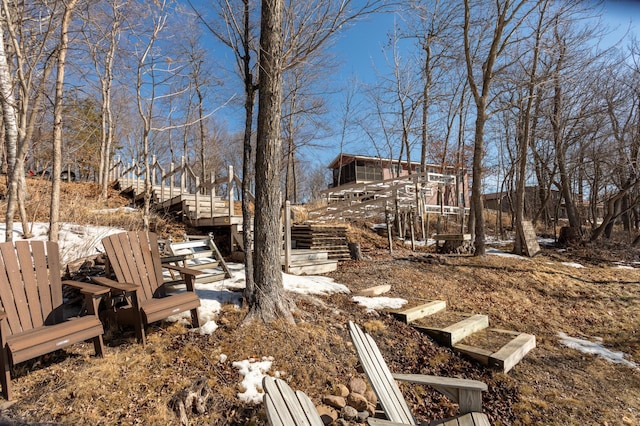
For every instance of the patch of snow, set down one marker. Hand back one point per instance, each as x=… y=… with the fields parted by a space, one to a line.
x=497 y=252
x=572 y=264
x=252 y=373
x=116 y=210
x=546 y=242
x=75 y=241
x=418 y=243
x=378 y=303
x=595 y=348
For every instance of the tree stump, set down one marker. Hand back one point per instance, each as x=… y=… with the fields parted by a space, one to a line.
x=355 y=252
x=569 y=236
x=192 y=400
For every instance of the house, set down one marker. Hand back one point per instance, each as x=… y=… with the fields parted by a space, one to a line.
x=363 y=178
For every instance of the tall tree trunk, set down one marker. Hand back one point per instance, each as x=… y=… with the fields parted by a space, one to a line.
x=269 y=301
x=476 y=187
x=247 y=161
x=56 y=169
x=11 y=137
x=524 y=137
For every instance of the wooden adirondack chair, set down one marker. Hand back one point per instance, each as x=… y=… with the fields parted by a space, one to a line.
x=467 y=393
x=31 y=315
x=134 y=259
x=286 y=407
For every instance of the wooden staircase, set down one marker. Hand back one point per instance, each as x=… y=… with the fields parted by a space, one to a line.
x=179 y=192
x=329 y=238
x=469 y=334
x=310 y=262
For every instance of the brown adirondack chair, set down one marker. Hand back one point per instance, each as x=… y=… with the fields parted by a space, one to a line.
x=134 y=259
x=31 y=315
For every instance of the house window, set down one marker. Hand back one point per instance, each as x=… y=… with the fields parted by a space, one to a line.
x=346 y=175
x=367 y=172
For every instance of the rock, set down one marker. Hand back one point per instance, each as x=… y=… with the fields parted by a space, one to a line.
x=342 y=422
x=374 y=291
x=341 y=390
x=327 y=414
x=363 y=416
x=357 y=401
x=349 y=413
x=371 y=396
x=357 y=385
x=334 y=401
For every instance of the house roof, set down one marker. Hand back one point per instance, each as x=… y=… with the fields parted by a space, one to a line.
x=348 y=158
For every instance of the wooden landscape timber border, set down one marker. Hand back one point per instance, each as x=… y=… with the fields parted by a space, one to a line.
x=503 y=359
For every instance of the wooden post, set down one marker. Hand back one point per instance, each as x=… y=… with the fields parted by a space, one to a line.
x=183 y=176
x=172 y=179
x=230 y=191
x=387 y=221
x=397 y=217
x=153 y=170
x=212 y=193
x=198 y=199
x=413 y=232
x=287 y=235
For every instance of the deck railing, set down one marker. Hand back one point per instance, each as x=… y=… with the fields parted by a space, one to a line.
x=179 y=179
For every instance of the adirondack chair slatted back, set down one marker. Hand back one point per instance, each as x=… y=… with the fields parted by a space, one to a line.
x=384 y=385
x=135 y=258
x=288 y=408
x=30 y=291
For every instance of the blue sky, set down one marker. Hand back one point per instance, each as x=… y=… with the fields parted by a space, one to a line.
x=359 y=50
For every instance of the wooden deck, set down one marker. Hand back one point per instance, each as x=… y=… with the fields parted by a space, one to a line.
x=180 y=193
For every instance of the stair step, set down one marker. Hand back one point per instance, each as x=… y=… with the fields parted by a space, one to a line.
x=313 y=268
x=307 y=255
x=453 y=333
x=503 y=358
x=421 y=311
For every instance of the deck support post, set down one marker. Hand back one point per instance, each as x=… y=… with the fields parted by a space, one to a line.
x=287 y=236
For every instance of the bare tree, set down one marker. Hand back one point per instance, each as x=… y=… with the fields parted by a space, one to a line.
x=524 y=131
x=63 y=45
x=146 y=96
x=102 y=39
x=505 y=19
x=28 y=48
x=269 y=301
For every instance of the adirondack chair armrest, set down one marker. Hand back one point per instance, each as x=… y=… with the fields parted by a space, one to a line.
x=87 y=288
x=448 y=382
x=183 y=270
x=467 y=393
x=115 y=285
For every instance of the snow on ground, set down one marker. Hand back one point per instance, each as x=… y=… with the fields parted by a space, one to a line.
x=496 y=252
x=252 y=373
x=377 y=303
x=595 y=348
x=75 y=241
x=572 y=265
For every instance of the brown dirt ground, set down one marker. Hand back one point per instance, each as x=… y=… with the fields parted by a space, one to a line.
x=553 y=385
